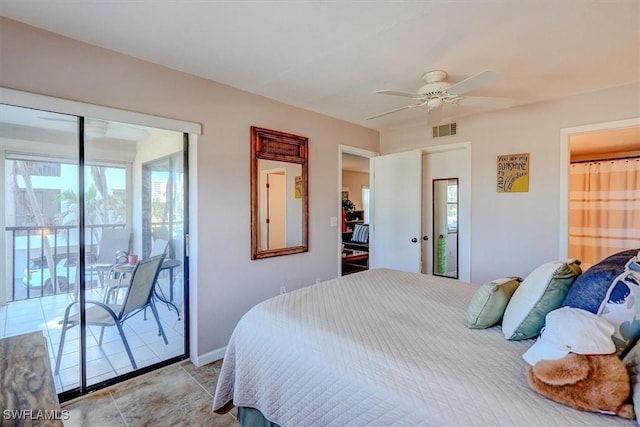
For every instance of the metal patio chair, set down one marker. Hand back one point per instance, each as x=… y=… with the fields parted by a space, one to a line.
x=123 y=272
x=139 y=296
x=113 y=249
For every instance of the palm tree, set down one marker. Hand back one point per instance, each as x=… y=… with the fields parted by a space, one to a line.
x=99 y=206
x=30 y=205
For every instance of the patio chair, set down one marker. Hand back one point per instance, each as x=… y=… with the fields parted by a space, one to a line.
x=113 y=249
x=139 y=296
x=160 y=246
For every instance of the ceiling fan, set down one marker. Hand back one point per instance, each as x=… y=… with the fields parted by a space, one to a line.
x=437 y=92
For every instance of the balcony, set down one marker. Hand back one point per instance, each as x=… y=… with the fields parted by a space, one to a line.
x=32 y=306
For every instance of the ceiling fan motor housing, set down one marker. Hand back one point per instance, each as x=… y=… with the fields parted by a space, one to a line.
x=436 y=86
x=433 y=89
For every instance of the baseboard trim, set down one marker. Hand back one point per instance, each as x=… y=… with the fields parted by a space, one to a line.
x=212 y=356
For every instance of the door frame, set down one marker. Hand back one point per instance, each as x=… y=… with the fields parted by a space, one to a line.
x=190 y=131
x=565 y=164
x=464 y=242
x=265 y=201
x=464 y=207
x=347 y=149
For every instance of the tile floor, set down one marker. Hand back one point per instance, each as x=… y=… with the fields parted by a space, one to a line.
x=103 y=362
x=177 y=395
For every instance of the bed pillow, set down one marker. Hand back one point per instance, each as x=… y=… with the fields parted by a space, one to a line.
x=621 y=307
x=489 y=302
x=542 y=291
x=590 y=289
x=622 y=257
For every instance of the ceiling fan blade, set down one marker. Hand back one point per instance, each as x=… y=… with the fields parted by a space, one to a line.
x=486 y=101
x=396 y=110
x=400 y=93
x=477 y=80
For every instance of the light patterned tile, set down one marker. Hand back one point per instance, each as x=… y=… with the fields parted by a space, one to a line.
x=170 y=395
x=97 y=410
x=206 y=376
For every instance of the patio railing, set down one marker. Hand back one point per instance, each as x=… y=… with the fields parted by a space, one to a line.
x=27 y=258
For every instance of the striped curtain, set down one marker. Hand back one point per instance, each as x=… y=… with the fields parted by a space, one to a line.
x=604 y=209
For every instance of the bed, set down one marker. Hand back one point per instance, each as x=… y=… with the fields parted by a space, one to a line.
x=382 y=347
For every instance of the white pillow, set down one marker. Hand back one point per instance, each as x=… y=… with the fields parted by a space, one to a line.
x=541 y=292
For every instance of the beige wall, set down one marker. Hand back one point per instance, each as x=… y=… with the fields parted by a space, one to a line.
x=355 y=181
x=227 y=282
x=512 y=233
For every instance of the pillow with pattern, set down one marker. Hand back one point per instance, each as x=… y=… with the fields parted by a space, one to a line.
x=360 y=233
x=590 y=289
x=621 y=307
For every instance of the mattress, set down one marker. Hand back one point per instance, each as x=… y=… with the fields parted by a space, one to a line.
x=382 y=347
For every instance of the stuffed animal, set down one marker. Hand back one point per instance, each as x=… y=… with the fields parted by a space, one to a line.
x=595 y=383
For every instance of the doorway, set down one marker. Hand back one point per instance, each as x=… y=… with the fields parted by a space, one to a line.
x=585 y=149
x=445 y=188
x=355 y=205
x=584 y=142
x=273 y=211
x=402 y=223
x=78 y=209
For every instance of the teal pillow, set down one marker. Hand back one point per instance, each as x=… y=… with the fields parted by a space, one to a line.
x=541 y=292
x=489 y=302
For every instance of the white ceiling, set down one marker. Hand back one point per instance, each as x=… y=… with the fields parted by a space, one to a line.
x=331 y=56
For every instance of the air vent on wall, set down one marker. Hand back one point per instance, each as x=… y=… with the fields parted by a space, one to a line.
x=445 y=130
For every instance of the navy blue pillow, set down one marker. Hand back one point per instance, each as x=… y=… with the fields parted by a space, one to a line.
x=620 y=258
x=590 y=288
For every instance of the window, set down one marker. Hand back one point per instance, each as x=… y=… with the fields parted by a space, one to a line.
x=365 y=203
x=43 y=168
x=452 y=207
x=48 y=202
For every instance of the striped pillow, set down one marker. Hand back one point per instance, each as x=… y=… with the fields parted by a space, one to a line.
x=360 y=233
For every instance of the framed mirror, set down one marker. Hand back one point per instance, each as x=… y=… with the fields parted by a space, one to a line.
x=279 y=193
x=445 y=227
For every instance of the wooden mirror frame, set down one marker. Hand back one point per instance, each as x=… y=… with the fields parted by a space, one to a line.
x=284 y=147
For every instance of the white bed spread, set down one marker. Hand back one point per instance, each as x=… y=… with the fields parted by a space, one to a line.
x=384 y=348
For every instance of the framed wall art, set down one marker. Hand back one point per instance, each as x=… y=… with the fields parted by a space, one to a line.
x=513 y=173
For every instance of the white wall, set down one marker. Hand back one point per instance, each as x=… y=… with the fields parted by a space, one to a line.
x=225 y=281
x=354 y=181
x=512 y=233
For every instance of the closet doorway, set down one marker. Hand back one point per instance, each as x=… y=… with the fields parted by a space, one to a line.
x=600 y=190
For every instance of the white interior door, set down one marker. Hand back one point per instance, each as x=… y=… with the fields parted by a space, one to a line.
x=453 y=162
x=396 y=212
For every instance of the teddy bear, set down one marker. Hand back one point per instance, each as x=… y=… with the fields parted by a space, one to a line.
x=595 y=383
x=574 y=362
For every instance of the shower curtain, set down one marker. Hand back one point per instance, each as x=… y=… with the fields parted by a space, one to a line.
x=604 y=209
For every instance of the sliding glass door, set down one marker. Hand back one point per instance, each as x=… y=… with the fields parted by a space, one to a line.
x=89 y=205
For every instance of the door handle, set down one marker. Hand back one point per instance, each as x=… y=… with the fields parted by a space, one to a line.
x=425 y=237
x=414 y=240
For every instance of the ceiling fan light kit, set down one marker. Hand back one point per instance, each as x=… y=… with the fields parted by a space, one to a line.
x=437 y=92
x=434 y=103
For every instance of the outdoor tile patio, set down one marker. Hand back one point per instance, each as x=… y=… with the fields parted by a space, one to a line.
x=103 y=362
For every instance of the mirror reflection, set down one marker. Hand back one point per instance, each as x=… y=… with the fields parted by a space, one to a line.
x=280 y=208
x=279 y=201
x=445 y=227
